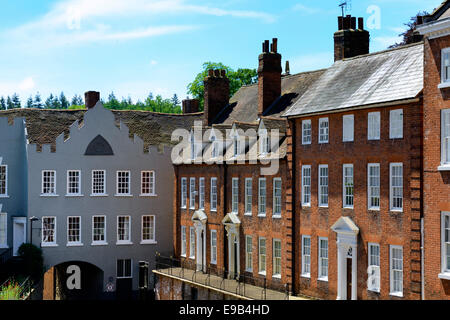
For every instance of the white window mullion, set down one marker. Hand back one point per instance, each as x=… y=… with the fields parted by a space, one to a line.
x=396 y=186
x=348 y=124
x=396 y=271
x=323 y=185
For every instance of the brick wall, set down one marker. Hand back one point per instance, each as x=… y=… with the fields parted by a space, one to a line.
x=436 y=185
x=383 y=227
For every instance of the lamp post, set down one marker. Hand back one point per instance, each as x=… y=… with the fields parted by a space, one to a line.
x=32 y=219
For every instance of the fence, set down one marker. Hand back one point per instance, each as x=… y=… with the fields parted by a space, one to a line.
x=239 y=284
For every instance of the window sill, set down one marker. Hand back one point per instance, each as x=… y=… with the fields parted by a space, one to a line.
x=444 y=276
x=323 y=142
x=262 y=273
x=75 y=244
x=183 y=208
x=99 y=244
x=396 y=211
x=348 y=141
x=276 y=216
x=305 y=206
x=4 y=247
x=183 y=255
x=277 y=276
x=374 y=209
x=49 y=195
x=213 y=210
x=4 y=196
x=396 y=294
x=74 y=195
x=149 y=242
x=306 y=143
x=249 y=270
x=123 y=195
x=99 y=195
x=192 y=258
x=124 y=243
x=306 y=275
x=214 y=262
x=444 y=85
x=248 y=214
x=261 y=215
x=395 y=138
x=444 y=167
x=324 y=279
x=144 y=195
x=323 y=207
x=374 y=290
x=48 y=245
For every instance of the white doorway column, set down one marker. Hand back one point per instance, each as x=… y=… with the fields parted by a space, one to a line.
x=19 y=233
x=199 y=218
x=347 y=248
x=232 y=224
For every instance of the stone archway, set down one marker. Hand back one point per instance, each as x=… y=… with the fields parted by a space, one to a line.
x=57 y=286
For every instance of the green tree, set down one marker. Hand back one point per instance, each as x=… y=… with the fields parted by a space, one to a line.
x=9 y=103
x=237 y=80
x=16 y=101
x=37 y=101
x=112 y=103
x=63 y=101
x=29 y=102
x=410 y=36
x=77 y=100
x=2 y=103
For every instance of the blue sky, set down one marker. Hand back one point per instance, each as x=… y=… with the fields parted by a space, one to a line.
x=134 y=47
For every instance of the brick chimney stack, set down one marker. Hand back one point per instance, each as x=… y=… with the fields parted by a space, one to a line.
x=190 y=106
x=91 y=98
x=217 y=94
x=269 y=76
x=350 y=41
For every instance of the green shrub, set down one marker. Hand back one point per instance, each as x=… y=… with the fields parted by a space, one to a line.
x=32 y=259
x=10 y=291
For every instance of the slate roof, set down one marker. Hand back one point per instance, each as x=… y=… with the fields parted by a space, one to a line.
x=385 y=76
x=243 y=105
x=44 y=126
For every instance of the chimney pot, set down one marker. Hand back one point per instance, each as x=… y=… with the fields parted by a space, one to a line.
x=419 y=20
x=275 y=45
x=210 y=72
x=340 y=23
x=190 y=106
x=361 y=23
x=353 y=20
x=217 y=73
x=266 y=46
x=91 y=98
x=223 y=73
x=287 y=70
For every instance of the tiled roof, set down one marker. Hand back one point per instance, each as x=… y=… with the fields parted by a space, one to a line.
x=44 y=126
x=381 y=77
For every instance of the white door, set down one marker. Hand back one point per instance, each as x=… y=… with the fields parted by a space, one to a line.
x=19 y=234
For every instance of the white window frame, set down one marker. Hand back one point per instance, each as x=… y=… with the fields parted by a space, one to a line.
x=149 y=185
x=192 y=243
x=372 y=188
x=131 y=269
x=306 y=188
x=49 y=243
x=445 y=139
x=5 y=194
x=213 y=247
x=99 y=242
x=393 y=123
x=49 y=194
x=444 y=52
x=4 y=228
x=276 y=260
x=262 y=204
x=213 y=196
x=248 y=253
x=152 y=230
x=372 y=264
x=262 y=271
x=183 y=241
x=183 y=193
x=326 y=132
x=392 y=290
x=192 y=193
x=348 y=128
x=248 y=196
x=97 y=194
x=124 y=242
x=445 y=246
x=391 y=188
x=321 y=276
x=345 y=191
x=373 y=125
x=123 y=194
x=72 y=194
x=306 y=132
x=69 y=242
x=306 y=257
x=323 y=204
x=277 y=203
x=235 y=195
x=201 y=196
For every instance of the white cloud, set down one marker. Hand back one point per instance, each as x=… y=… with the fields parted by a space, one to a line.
x=305 y=9
x=383 y=42
x=27 y=84
x=153 y=62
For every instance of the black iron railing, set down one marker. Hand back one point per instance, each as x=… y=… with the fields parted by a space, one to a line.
x=244 y=285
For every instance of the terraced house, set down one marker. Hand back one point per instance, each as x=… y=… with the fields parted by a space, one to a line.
x=94 y=182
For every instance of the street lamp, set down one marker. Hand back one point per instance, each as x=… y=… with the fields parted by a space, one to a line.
x=32 y=219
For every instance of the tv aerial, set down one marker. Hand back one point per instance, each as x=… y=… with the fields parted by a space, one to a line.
x=346 y=6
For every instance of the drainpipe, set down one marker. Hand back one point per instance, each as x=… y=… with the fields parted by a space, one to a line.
x=422 y=258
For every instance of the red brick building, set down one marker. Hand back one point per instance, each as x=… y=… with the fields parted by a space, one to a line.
x=436 y=161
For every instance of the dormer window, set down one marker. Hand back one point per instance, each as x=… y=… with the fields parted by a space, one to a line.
x=236 y=146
